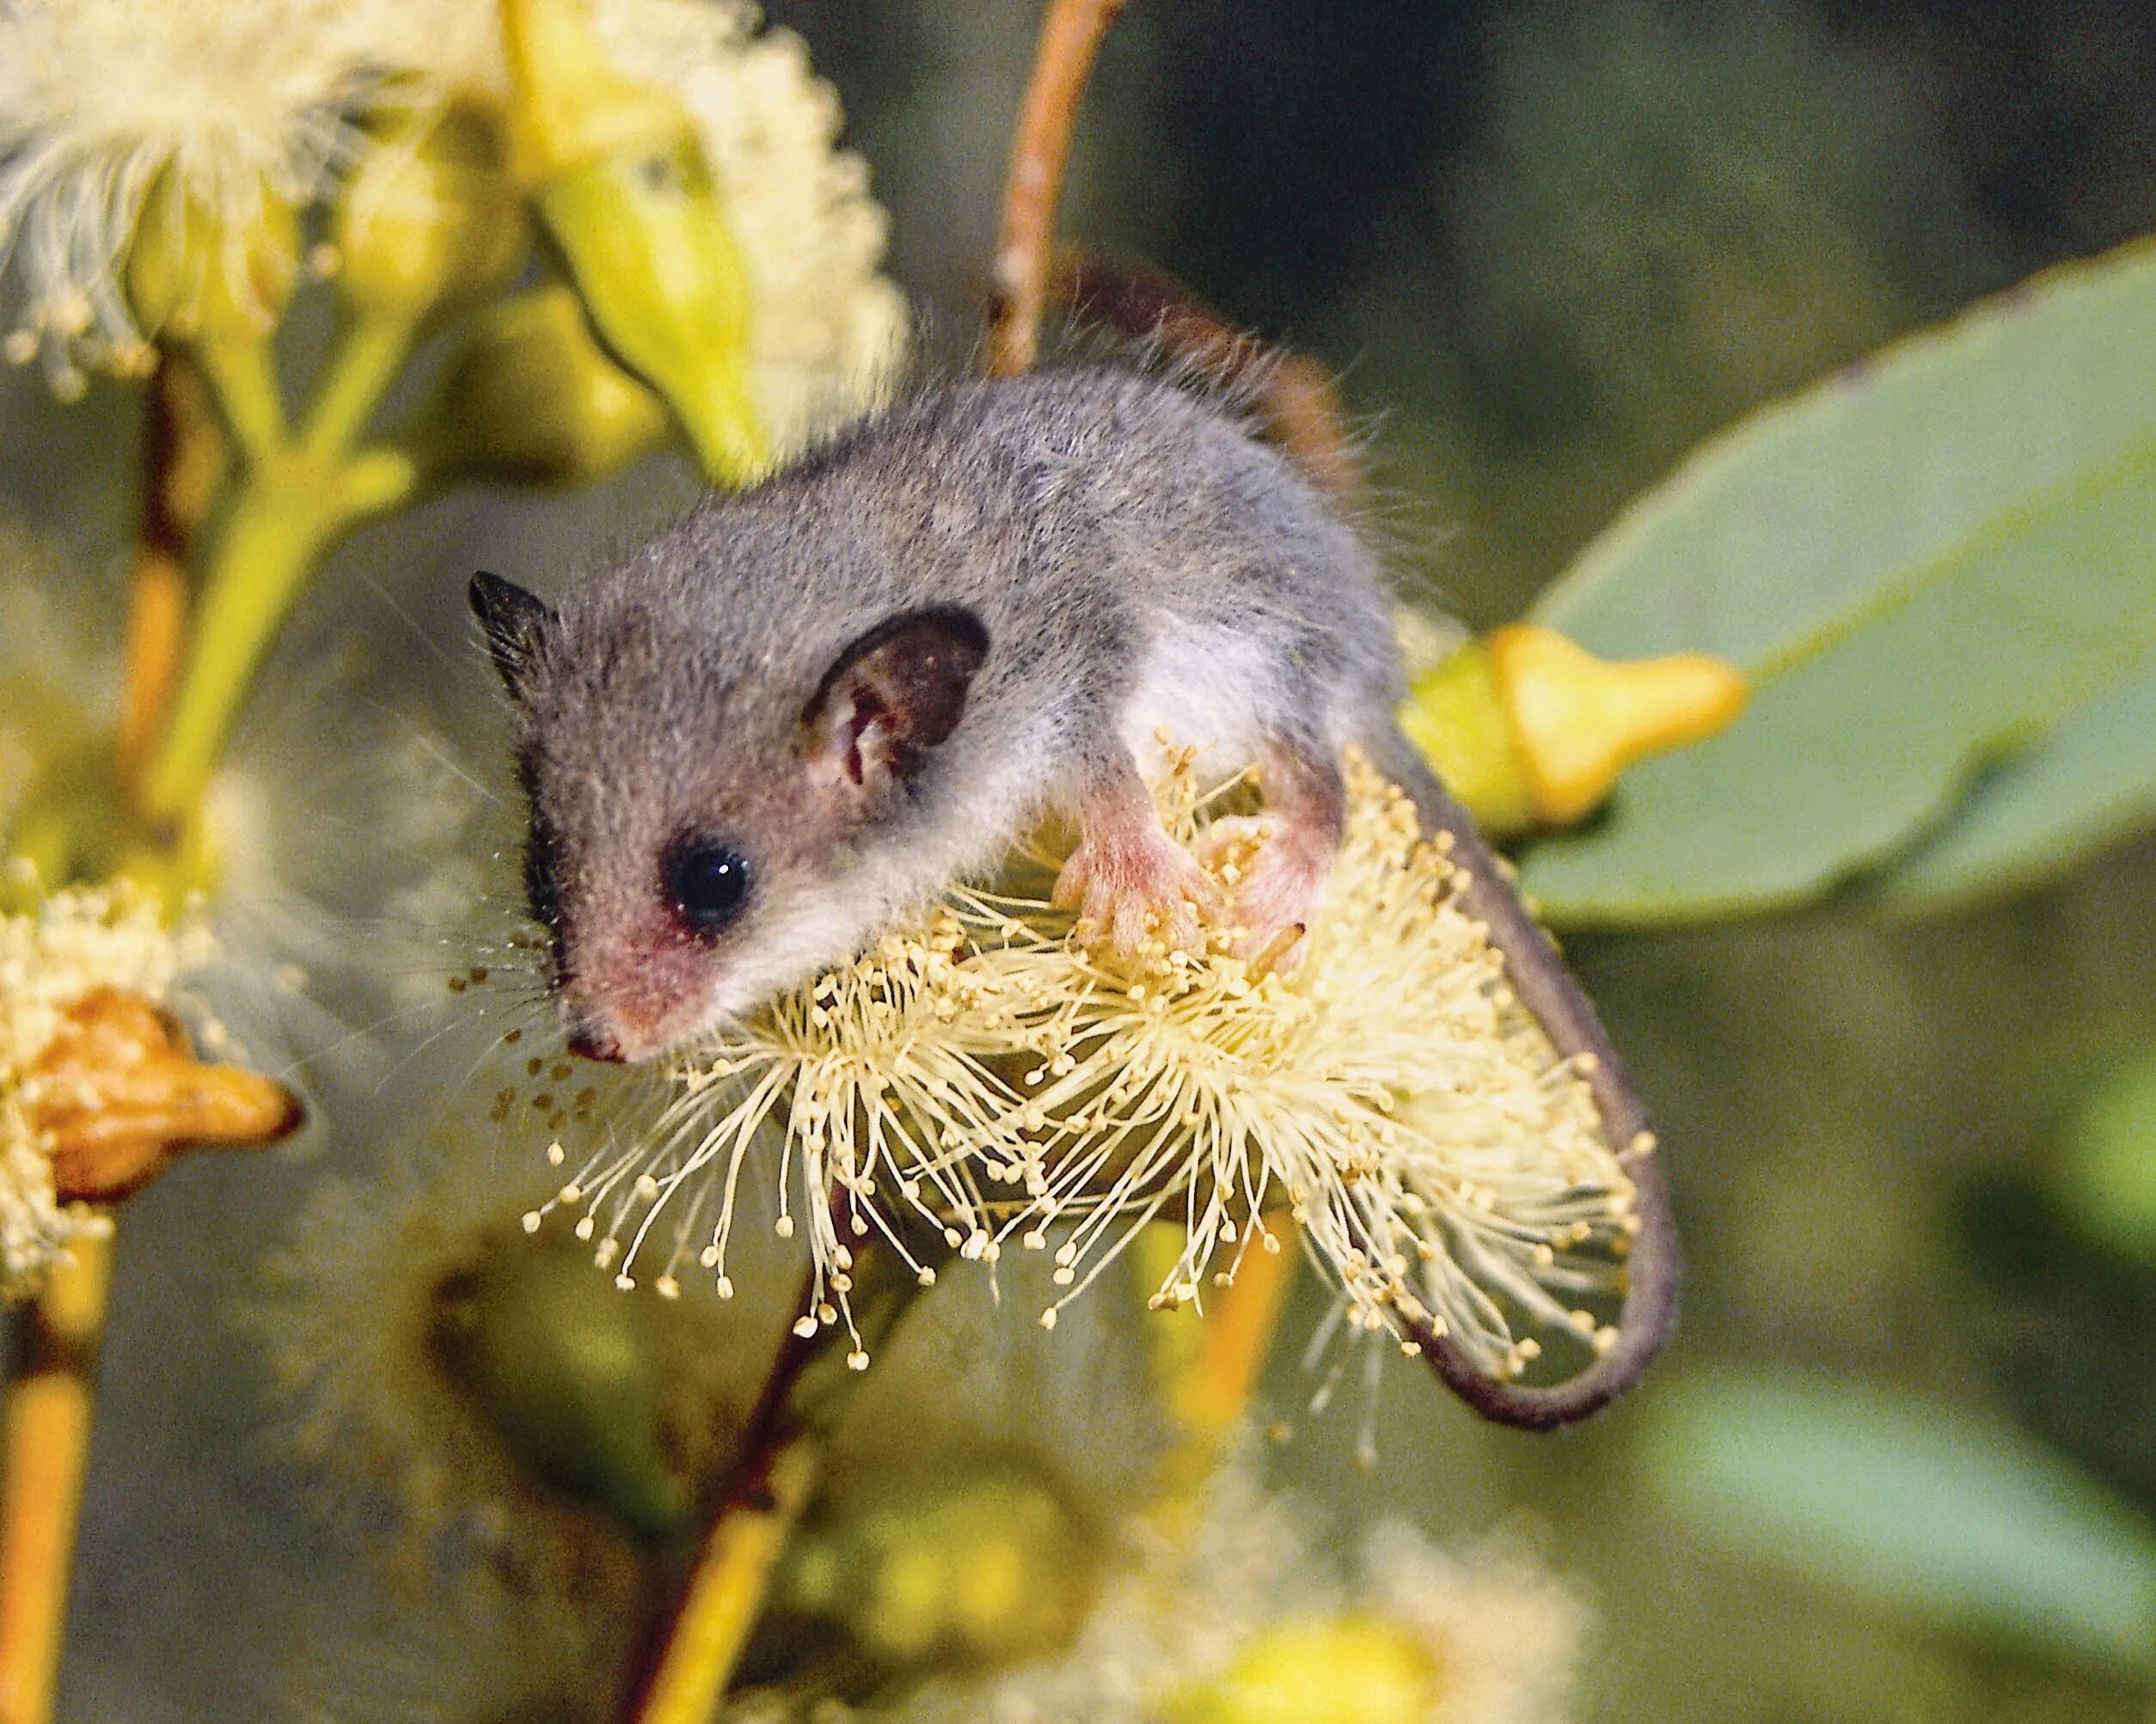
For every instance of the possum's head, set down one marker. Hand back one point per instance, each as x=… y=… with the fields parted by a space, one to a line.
x=706 y=815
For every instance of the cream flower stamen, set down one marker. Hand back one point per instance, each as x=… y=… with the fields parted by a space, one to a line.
x=985 y=1075
x=102 y=100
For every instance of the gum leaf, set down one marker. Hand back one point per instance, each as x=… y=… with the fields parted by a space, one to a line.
x=1946 y=1517
x=2088 y=786
x=2106 y=1176
x=1934 y=562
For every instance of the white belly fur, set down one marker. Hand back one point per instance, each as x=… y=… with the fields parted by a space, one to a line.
x=1207 y=694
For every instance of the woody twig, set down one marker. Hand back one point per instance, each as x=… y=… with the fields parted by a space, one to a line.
x=1025 y=250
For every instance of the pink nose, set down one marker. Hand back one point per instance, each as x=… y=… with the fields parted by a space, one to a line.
x=588 y=1041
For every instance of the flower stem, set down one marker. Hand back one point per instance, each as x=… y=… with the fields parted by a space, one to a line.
x=369 y=354
x=279 y=525
x=243 y=372
x=1208 y=1365
x=727 y=1588
x=47 y=1443
x=1071 y=37
x=699 y=1646
x=186 y=456
x=287 y=512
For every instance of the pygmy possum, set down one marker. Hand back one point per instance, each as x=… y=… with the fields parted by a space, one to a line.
x=808 y=708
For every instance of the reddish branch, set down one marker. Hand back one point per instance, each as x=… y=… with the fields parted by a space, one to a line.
x=1069 y=38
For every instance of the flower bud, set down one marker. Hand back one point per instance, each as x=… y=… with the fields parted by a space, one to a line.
x=118 y=1094
x=978 y=1573
x=72 y=824
x=623 y=184
x=431 y=220
x=530 y=399
x=193 y=271
x=557 y=1363
x=1529 y=729
x=1455 y=715
x=1353 y=1667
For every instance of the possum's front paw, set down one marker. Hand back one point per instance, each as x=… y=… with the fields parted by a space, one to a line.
x=1132 y=885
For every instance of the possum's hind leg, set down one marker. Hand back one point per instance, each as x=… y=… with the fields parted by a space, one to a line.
x=1128 y=879
x=1298 y=837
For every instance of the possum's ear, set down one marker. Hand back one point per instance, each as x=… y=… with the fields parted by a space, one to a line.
x=514 y=619
x=891 y=696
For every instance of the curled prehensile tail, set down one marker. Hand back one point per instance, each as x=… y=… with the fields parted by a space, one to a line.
x=1547 y=988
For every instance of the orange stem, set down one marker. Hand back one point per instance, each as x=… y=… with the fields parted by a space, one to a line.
x=1069 y=38
x=1239 y=1331
x=185 y=461
x=156 y=624
x=46 y=1445
x=1208 y=1365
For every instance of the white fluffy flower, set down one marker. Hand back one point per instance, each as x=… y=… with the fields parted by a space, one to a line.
x=100 y=100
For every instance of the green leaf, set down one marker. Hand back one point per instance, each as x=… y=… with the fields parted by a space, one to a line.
x=2089 y=784
x=2106 y=1177
x=1925 y=564
x=1940 y=1514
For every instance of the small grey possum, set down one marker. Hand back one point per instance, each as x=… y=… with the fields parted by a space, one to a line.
x=805 y=709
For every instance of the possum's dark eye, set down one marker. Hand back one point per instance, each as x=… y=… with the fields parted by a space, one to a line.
x=707 y=882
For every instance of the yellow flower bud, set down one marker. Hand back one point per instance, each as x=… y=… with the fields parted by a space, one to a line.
x=1455 y=715
x=431 y=220
x=570 y=104
x=1581 y=721
x=623 y=184
x=978 y=1572
x=557 y=1362
x=194 y=270
x=530 y=399
x=1349 y=1668
x=1528 y=730
x=73 y=824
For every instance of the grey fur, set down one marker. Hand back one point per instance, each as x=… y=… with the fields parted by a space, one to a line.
x=1096 y=522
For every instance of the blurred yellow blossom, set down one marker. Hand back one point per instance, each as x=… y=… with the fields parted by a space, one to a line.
x=1249 y=1615
x=387 y=1317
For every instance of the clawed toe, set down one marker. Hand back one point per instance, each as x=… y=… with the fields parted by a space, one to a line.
x=1131 y=890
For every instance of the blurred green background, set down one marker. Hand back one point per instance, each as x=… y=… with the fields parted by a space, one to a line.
x=1548 y=247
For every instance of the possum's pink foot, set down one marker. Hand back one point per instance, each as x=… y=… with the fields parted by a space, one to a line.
x=1276 y=890
x=1130 y=882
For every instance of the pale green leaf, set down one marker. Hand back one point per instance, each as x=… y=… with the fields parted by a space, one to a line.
x=2088 y=784
x=1934 y=1513
x=1925 y=563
